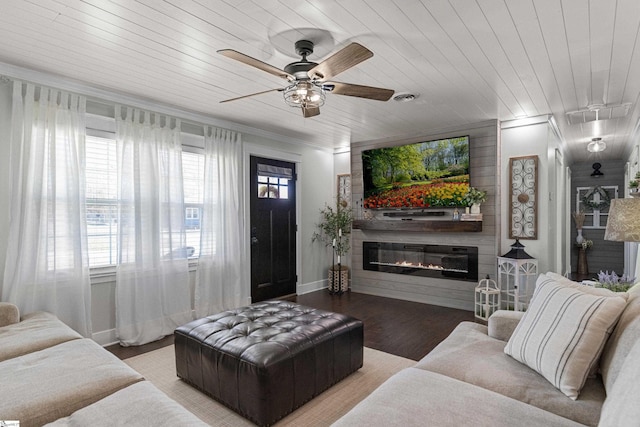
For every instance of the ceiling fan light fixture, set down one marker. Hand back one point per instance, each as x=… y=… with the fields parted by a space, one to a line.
x=596 y=145
x=305 y=94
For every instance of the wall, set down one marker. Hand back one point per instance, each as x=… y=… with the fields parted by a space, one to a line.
x=485 y=173
x=632 y=167
x=605 y=255
x=537 y=137
x=316 y=186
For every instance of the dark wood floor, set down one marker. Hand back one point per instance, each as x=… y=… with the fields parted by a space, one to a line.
x=403 y=328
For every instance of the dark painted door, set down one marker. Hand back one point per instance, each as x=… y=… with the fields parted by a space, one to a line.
x=273 y=229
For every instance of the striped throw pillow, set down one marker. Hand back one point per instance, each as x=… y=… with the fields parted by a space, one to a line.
x=563 y=333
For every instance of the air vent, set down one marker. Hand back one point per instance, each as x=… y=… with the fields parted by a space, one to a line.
x=405 y=97
x=598 y=112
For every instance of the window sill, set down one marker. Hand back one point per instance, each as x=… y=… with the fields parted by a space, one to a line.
x=107 y=274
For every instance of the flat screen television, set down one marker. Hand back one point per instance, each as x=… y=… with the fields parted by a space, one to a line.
x=429 y=174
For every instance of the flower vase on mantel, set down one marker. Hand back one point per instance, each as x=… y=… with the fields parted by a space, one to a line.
x=475 y=208
x=579 y=237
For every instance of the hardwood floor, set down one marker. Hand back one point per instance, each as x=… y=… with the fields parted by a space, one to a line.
x=403 y=328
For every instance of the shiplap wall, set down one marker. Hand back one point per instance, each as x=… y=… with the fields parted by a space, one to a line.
x=604 y=255
x=485 y=174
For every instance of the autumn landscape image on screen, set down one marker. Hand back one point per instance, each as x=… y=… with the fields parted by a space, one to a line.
x=419 y=175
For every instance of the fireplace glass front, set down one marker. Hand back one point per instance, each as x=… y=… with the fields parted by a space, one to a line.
x=441 y=261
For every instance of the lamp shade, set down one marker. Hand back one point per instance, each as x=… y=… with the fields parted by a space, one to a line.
x=623 y=224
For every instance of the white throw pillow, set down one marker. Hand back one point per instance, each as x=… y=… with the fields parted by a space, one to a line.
x=563 y=332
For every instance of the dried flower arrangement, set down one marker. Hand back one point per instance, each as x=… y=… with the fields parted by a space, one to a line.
x=578 y=217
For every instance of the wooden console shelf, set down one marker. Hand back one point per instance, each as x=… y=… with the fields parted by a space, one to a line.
x=418 y=225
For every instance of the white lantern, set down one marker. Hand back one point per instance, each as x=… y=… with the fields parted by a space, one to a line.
x=487 y=298
x=517 y=275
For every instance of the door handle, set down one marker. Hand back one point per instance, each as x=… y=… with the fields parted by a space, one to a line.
x=254 y=241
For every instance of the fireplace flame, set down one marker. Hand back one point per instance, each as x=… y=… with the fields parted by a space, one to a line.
x=419 y=265
x=407 y=264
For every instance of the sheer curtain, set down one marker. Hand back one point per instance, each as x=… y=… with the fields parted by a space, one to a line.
x=47 y=264
x=219 y=276
x=152 y=278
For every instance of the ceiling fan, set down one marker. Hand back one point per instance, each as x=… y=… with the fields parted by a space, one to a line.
x=309 y=81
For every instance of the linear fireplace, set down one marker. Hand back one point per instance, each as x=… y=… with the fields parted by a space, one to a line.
x=441 y=261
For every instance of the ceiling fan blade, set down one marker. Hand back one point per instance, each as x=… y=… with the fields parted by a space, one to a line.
x=253 y=94
x=310 y=111
x=245 y=59
x=340 y=61
x=349 y=89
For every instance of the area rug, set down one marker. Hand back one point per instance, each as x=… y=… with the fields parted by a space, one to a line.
x=159 y=367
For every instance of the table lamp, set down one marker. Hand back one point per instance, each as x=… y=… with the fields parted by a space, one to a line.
x=623 y=224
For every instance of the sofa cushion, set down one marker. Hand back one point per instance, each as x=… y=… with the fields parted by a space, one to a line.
x=35 y=332
x=470 y=355
x=619 y=409
x=623 y=338
x=140 y=404
x=563 y=332
x=414 y=397
x=43 y=386
x=502 y=323
x=9 y=314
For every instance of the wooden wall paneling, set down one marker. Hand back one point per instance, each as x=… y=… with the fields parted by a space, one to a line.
x=450 y=293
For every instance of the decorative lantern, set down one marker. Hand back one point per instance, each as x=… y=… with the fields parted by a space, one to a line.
x=517 y=274
x=487 y=298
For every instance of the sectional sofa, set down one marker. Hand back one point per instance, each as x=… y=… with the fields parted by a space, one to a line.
x=51 y=374
x=572 y=359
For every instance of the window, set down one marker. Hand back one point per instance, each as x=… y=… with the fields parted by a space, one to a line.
x=594 y=202
x=273 y=188
x=101 y=193
x=102 y=200
x=193 y=181
x=273 y=181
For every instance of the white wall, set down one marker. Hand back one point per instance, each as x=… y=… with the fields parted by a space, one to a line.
x=315 y=188
x=341 y=164
x=537 y=138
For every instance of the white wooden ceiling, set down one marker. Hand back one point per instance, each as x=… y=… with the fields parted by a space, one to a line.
x=468 y=60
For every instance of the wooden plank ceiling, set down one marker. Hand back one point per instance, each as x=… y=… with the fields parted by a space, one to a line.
x=467 y=61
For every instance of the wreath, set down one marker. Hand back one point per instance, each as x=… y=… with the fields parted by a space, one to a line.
x=605 y=199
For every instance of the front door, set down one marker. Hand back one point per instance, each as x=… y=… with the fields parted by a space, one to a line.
x=273 y=229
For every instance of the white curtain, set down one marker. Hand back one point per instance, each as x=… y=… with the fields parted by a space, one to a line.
x=152 y=278
x=47 y=264
x=219 y=283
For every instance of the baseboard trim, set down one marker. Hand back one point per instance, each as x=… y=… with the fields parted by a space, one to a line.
x=306 y=288
x=105 y=338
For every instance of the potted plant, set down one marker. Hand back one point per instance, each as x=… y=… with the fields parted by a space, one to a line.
x=334 y=229
x=475 y=198
x=633 y=187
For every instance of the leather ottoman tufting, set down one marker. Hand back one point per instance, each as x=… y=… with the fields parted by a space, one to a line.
x=269 y=358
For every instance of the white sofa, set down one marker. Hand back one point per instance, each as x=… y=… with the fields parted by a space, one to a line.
x=469 y=380
x=50 y=374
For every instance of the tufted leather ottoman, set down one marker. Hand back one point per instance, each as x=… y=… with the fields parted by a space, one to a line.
x=267 y=359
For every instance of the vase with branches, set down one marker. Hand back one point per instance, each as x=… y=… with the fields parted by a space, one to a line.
x=333 y=230
x=578 y=218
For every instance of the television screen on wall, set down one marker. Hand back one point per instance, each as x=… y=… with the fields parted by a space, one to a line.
x=428 y=174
